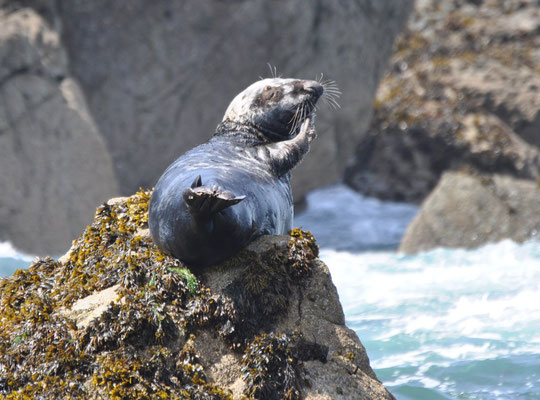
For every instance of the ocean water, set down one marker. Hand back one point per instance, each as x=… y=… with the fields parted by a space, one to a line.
x=12 y=259
x=444 y=324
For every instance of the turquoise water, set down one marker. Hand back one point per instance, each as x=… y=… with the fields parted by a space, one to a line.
x=11 y=259
x=444 y=324
x=447 y=324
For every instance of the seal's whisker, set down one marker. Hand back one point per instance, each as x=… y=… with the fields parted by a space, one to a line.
x=332 y=89
x=335 y=91
x=302 y=117
x=331 y=101
x=331 y=93
x=294 y=120
x=331 y=86
x=296 y=115
x=273 y=70
x=334 y=103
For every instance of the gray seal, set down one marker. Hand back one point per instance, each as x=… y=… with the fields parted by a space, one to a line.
x=216 y=198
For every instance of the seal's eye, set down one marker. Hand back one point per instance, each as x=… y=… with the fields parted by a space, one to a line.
x=268 y=93
x=271 y=93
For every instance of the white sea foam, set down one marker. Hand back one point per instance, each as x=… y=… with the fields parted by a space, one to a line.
x=7 y=250
x=424 y=317
x=442 y=308
x=342 y=219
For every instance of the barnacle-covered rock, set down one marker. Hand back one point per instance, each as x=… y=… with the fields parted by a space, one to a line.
x=462 y=91
x=116 y=319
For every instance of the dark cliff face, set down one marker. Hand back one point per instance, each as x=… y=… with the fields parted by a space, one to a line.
x=114 y=318
x=158 y=76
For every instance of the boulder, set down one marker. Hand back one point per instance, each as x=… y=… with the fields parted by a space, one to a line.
x=158 y=76
x=468 y=210
x=117 y=319
x=54 y=164
x=463 y=91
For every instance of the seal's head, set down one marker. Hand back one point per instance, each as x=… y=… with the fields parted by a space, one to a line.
x=275 y=107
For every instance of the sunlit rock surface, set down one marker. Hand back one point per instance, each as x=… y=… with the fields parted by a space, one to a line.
x=468 y=210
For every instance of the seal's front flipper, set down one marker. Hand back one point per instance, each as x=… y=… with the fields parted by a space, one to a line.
x=285 y=155
x=203 y=202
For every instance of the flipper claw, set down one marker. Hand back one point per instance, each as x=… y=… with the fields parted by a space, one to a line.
x=203 y=202
x=197 y=182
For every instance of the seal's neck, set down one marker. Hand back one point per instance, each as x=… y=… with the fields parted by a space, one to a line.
x=247 y=132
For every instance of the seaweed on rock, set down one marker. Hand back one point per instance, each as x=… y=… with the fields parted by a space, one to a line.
x=272 y=365
x=142 y=345
x=270 y=369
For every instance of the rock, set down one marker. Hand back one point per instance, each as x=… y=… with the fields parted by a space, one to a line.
x=469 y=210
x=314 y=310
x=86 y=310
x=127 y=321
x=463 y=90
x=158 y=76
x=55 y=166
x=512 y=94
x=405 y=163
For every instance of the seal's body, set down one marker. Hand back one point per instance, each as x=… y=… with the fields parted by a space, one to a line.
x=219 y=196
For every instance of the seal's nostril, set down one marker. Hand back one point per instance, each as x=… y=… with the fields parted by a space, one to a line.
x=315 y=89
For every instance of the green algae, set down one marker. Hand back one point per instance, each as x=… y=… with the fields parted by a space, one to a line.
x=191 y=280
x=137 y=348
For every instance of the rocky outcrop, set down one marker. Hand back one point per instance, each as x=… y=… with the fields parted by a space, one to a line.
x=468 y=210
x=463 y=90
x=158 y=76
x=116 y=319
x=54 y=164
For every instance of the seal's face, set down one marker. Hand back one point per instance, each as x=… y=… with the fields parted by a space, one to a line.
x=276 y=107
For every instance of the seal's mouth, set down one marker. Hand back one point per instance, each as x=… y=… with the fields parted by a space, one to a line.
x=325 y=90
x=306 y=109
